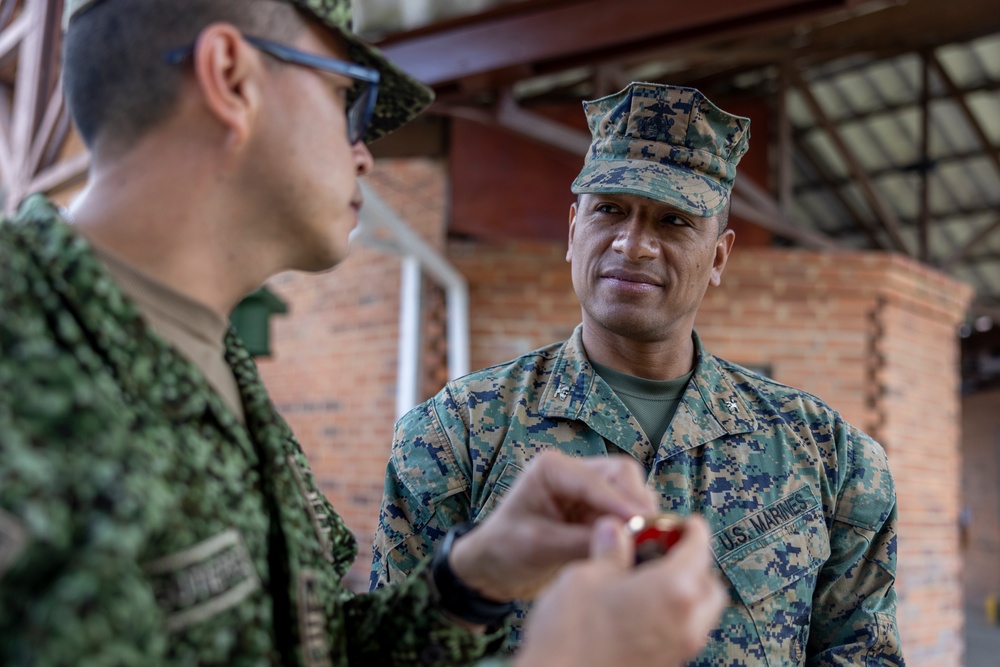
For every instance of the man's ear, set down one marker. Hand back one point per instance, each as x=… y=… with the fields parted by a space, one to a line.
x=572 y=230
x=227 y=72
x=723 y=246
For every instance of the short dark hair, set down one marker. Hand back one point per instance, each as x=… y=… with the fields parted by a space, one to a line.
x=117 y=82
x=724 y=214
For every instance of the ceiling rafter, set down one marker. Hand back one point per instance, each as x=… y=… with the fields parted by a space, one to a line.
x=879 y=173
x=34 y=121
x=883 y=212
x=823 y=171
x=924 y=250
x=893 y=108
x=964 y=252
x=958 y=95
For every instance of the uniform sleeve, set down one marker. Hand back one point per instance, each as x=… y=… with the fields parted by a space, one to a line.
x=426 y=491
x=71 y=589
x=854 y=605
x=403 y=624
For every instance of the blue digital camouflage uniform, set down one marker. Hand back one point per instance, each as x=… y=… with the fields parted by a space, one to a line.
x=801 y=504
x=140 y=523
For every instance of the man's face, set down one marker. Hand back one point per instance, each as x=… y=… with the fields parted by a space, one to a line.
x=641 y=267
x=314 y=166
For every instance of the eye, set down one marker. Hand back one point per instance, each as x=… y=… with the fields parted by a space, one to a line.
x=676 y=220
x=605 y=208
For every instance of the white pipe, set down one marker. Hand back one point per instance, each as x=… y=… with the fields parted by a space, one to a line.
x=457 y=296
x=376 y=218
x=408 y=382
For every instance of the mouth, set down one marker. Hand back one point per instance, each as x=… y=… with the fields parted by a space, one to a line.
x=632 y=279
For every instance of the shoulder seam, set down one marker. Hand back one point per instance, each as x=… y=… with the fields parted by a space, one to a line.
x=442 y=434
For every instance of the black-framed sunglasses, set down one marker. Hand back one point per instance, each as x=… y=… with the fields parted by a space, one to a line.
x=362 y=98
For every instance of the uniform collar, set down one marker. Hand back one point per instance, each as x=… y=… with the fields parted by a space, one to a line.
x=711 y=406
x=103 y=318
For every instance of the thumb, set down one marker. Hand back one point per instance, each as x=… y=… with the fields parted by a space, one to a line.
x=610 y=543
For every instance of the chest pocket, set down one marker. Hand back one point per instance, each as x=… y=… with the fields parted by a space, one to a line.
x=772 y=559
x=500 y=488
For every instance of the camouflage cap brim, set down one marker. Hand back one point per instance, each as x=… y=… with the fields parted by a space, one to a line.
x=678 y=186
x=400 y=97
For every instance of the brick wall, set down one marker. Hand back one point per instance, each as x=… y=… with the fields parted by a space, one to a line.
x=521 y=297
x=980 y=472
x=333 y=370
x=872 y=334
x=875 y=336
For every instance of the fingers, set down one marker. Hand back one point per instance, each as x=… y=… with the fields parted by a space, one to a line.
x=690 y=563
x=629 y=478
x=714 y=601
x=598 y=485
x=553 y=543
x=610 y=543
x=690 y=552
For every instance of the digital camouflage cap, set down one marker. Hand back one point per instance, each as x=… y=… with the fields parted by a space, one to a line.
x=400 y=96
x=667 y=143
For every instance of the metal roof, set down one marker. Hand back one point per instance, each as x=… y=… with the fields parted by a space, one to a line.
x=850 y=75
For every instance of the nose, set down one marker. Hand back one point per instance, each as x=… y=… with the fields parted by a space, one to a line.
x=363 y=159
x=636 y=240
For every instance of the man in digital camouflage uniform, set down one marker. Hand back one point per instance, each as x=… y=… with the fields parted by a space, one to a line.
x=154 y=508
x=801 y=504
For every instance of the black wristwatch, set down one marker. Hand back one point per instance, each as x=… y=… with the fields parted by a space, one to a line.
x=458 y=599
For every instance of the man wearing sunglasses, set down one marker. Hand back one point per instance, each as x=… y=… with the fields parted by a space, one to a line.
x=154 y=507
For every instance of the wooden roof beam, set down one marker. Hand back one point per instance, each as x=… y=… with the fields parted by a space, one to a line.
x=584 y=30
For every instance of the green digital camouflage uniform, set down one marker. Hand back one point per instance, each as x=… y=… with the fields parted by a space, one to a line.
x=801 y=504
x=140 y=523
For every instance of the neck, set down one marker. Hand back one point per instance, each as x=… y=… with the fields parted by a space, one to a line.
x=664 y=359
x=166 y=210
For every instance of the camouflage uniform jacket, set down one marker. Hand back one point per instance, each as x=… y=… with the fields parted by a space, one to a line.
x=801 y=504
x=140 y=523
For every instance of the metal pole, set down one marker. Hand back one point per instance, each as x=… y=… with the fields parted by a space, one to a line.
x=925 y=134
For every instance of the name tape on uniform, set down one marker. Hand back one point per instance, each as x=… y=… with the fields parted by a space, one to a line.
x=200 y=582
x=765 y=521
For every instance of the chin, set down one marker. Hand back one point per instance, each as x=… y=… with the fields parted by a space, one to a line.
x=634 y=327
x=319 y=260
